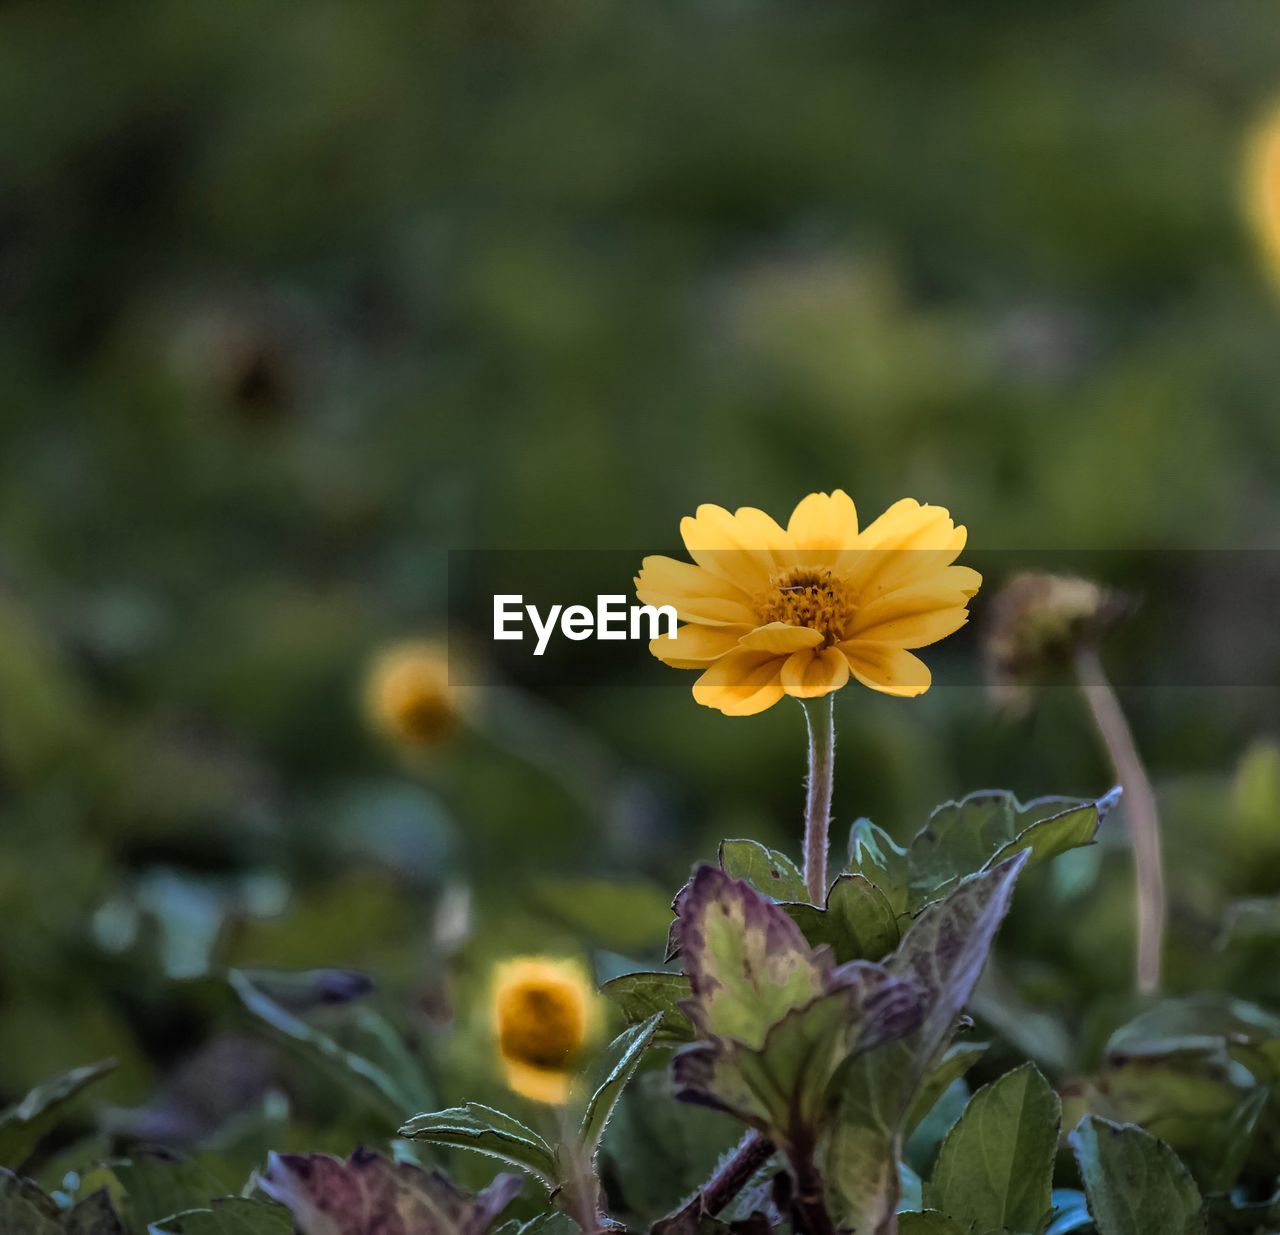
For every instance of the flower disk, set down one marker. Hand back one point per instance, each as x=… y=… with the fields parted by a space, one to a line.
x=543 y=1014
x=769 y=611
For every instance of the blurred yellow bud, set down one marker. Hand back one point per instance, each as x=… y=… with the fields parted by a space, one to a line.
x=1262 y=186
x=544 y=1012
x=1038 y=622
x=408 y=696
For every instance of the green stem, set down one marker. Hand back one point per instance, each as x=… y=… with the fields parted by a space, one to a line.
x=820 y=716
x=1140 y=810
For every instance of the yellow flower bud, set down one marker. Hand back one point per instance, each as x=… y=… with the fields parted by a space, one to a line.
x=408 y=696
x=544 y=1013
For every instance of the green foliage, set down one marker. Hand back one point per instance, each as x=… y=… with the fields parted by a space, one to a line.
x=616 y=1067
x=766 y=870
x=1134 y=1182
x=26 y=1121
x=857 y=922
x=229 y=1216
x=995 y=1168
x=494 y=1133
x=973 y=834
x=639 y=996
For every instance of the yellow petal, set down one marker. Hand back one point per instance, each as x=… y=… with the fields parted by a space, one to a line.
x=697 y=595
x=808 y=674
x=741 y=683
x=923 y=613
x=778 y=637
x=744 y=548
x=695 y=646
x=907 y=543
x=822 y=526
x=891 y=670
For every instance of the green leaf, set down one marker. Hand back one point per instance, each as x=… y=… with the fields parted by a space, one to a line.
x=766 y=870
x=995 y=1167
x=159 y=1186
x=874 y=855
x=858 y=923
x=365 y=1080
x=981 y=830
x=641 y=995
x=956 y=1061
x=484 y=1130
x=228 y=1216
x=658 y=1151
x=944 y=952
x=930 y=1222
x=1237 y=1137
x=1208 y=1022
x=620 y=1060
x=24 y=1124
x=1134 y=1182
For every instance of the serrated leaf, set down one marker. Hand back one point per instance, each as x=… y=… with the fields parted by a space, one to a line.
x=944 y=951
x=1134 y=1183
x=484 y=1130
x=620 y=1060
x=228 y=1216
x=640 y=995
x=364 y=1079
x=369 y=1192
x=766 y=870
x=984 y=829
x=995 y=1167
x=748 y=963
x=25 y=1123
x=857 y=923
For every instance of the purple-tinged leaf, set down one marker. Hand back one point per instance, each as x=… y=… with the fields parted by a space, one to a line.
x=372 y=1195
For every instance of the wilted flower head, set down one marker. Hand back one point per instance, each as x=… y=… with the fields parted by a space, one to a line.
x=544 y=1012
x=1037 y=623
x=771 y=611
x=408 y=696
x=1262 y=186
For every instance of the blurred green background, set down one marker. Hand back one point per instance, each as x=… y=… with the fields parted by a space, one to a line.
x=295 y=300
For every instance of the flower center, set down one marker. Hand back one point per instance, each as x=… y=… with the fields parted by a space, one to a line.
x=809 y=596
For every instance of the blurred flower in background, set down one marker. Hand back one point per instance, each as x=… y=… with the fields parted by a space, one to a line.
x=544 y=1012
x=1262 y=186
x=408 y=696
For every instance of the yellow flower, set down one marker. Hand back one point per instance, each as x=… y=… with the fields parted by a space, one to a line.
x=408 y=696
x=771 y=611
x=1262 y=186
x=544 y=1012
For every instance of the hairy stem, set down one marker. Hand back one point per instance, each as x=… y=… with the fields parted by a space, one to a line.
x=820 y=716
x=736 y=1171
x=1140 y=810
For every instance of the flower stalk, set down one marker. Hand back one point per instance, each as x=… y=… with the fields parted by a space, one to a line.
x=821 y=720
x=1140 y=809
